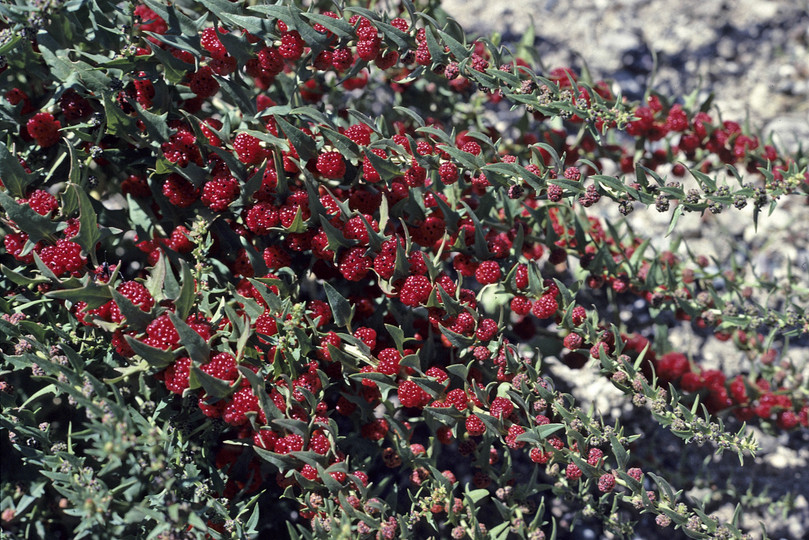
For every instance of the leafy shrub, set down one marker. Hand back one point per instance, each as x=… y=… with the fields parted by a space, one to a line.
x=272 y=269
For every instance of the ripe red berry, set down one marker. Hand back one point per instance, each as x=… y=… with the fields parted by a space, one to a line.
x=342 y=59
x=458 y=399
x=367 y=336
x=388 y=361
x=415 y=290
x=63 y=258
x=520 y=305
x=386 y=60
x=42 y=202
x=578 y=315
x=242 y=402
x=573 y=341
x=203 y=83
x=222 y=366
x=179 y=191
x=210 y=42
x=488 y=272
x=545 y=307
x=176 y=375
x=44 y=129
x=606 y=483
x=412 y=395
x=572 y=471
x=487 y=329
x=291 y=46
x=248 y=149
x=475 y=426
x=501 y=407
x=368 y=49
x=162 y=334
x=331 y=165
x=218 y=193
x=354 y=264
x=136 y=293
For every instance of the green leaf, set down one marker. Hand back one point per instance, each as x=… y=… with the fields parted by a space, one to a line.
x=12 y=173
x=89 y=234
x=135 y=317
x=216 y=388
x=174 y=69
x=156 y=124
x=198 y=350
x=178 y=22
x=458 y=341
x=238 y=92
x=456 y=48
x=36 y=226
x=94 y=295
x=303 y=143
x=341 y=309
x=619 y=451
x=157 y=358
x=339 y=27
x=387 y=170
x=118 y=123
x=185 y=301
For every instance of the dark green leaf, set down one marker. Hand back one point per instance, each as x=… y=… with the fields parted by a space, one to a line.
x=37 y=227
x=11 y=171
x=215 y=388
x=341 y=308
x=303 y=143
x=185 y=301
x=157 y=358
x=136 y=318
x=198 y=350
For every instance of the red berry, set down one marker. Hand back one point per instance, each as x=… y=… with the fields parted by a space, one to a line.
x=42 y=202
x=291 y=46
x=606 y=483
x=545 y=307
x=203 y=83
x=367 y=336
x=386 y=60
x=487 y=329
x=179 y=191
x=388 y=361
x=331 y=165
x=573 y=341
x=501 y=407
x=162 y=334
x=415 y=291
x=578 y=315
x=342 y=59
x=368 y=49
x=248 y=149
x=488 y=272
x=222 y=366
x=520 y=305
x=458 y=399
x=44 y=129
x=412 y=395
x=572 y=471
x=63 y=258
x=242 y=402
x=211 y=43
x=217 y=194
x=176 y=375
x=475 y=426
x=354 y=264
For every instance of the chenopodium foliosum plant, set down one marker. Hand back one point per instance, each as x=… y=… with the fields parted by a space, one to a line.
x=273 y=269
